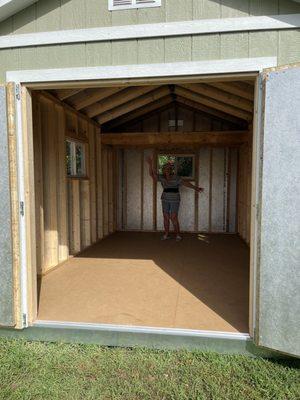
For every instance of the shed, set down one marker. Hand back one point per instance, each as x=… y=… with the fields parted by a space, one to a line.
x=92 y=89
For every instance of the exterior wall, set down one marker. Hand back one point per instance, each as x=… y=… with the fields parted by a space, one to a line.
x=49 y=15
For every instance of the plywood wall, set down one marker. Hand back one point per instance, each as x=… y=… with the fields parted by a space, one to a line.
x=244 y=192
x=71 y=213
x=214 y=210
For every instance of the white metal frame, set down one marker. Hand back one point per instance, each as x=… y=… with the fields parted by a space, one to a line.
x=62 y=77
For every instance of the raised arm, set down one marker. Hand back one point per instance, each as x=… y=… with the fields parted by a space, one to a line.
x=191 y=186
x=152 y=171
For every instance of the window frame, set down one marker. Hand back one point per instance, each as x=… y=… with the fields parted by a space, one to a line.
x=74 y=173
x=112 y=7
x=177 y=155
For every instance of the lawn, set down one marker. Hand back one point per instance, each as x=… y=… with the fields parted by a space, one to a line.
x=65 y=371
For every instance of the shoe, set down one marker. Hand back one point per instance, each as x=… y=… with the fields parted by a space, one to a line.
x=178 y=238
x=165 y=237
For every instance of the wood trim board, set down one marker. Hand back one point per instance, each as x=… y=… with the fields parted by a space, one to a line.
x=140 y=31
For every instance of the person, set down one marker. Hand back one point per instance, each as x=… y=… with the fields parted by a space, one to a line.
x=171 y=196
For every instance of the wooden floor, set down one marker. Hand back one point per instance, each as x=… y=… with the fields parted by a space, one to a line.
x=136 y=279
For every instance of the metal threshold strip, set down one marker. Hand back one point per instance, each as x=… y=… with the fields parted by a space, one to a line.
x=141 y=329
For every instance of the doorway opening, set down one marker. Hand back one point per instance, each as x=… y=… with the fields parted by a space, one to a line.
x=98 y=212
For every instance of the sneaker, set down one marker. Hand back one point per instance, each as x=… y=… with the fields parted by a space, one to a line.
x=165 y=237
x=178 y=238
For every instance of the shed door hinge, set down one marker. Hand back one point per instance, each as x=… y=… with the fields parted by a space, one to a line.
x=22 y=208
x=18 y=92
x=24 y=319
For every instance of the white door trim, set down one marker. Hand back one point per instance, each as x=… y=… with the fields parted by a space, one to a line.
x=177 y=69
x=69 y=75
x=140 y=31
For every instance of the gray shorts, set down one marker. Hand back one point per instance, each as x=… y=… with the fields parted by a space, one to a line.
x=170 y=207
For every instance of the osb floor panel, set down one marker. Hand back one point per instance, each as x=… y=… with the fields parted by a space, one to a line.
x=137 y=279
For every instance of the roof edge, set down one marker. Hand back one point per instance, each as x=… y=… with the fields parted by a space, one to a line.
x=11 y=7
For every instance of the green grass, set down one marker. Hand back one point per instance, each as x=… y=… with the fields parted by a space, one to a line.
x=65 y=371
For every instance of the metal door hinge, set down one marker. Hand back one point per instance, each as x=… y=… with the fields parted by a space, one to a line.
x=24 y=319
x=257 y=212
x=18 y=92
x=22 y=208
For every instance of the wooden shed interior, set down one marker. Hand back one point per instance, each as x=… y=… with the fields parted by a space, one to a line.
x=98 y=216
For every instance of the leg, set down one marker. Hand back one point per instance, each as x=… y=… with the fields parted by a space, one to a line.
x=166 y=223
x=166 y=214
x=175 y=222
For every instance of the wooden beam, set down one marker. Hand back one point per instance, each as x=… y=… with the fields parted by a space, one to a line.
x=64 y=94
x=209 y=110
x=133 y=104
x=238 y=88
x=212 y=103
x=141 y=113
x=118 y=99
x=140 y=139
x=222 y=96
x=90 y=96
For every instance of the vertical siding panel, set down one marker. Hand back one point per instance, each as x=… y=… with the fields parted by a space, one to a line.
x=151 y=49
x=92 y=177
x=180 y=48
x=233 y=188
x=63 y=249
x=110 y=177
x=99 y=187
x=148 y=195
x=48 y=19
x=234 y=45
x=134 y=189
x=38 y=174
x=97 y=15
x=85 y=214
x=263 y=44
x=289 y=47
x=217 y=204
x=206 y=47
x=120 y=185
x=74 y=216
x=73 y=14
x=105 y=190
x=25 y=22
x=50 y=185
x=125 y=51
x=6 y=27
x=204 y=178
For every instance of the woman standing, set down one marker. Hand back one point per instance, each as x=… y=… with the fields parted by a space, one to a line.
x=171 y=196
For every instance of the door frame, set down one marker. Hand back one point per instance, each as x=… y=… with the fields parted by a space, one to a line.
x=126 y=75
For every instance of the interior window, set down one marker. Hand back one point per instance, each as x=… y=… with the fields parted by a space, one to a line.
x=75 y=158
x=184 y=164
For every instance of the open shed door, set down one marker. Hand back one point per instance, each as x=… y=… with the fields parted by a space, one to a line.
x=9 y=293
x=278 y=251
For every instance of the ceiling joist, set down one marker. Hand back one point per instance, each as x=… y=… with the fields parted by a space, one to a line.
x=139 y=113
x=91 y=96
x=212 y=103
x=133 y=104
x=238 y=88
x=209 y=110
x=118 y=99
x=220 y=95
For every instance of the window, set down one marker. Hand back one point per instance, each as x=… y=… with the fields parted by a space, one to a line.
x=75 y=158
x=126 y=4
x=184 y=164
